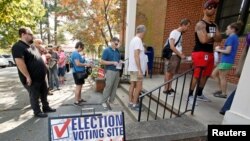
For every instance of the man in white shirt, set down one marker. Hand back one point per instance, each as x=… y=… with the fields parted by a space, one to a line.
x=136 y=55
x=172 y=65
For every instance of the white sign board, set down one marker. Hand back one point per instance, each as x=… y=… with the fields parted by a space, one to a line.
x=102 y=127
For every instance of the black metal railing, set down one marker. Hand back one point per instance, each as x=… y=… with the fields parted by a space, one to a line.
x=164 y=103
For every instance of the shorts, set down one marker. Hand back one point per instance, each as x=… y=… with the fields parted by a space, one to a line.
x=134 y=76
x=78 y=81
x=205 y=60
x=225 y=66
x=61 y=71
x=173 y=64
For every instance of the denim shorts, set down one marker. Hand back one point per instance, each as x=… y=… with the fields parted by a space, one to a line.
x=61 y=71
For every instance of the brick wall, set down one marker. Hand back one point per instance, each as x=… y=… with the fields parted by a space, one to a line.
x=178 y=9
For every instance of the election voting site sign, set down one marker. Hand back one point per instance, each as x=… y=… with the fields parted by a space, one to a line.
x=97 y=127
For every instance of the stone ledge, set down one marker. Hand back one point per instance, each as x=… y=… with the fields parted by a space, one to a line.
x=178 y=129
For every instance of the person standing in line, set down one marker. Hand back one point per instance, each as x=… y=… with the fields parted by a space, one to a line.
x=206 y=33
x=38 y=44
x=136 y=53
x=111 y=58
x=227 y=60
x=53 y=69
x=78 y=65
x=229 y=101
x=61 y=65
x=172 y=65
x=32 y=72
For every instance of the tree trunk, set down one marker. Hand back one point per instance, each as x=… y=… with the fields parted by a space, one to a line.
x=56 y=22
x=104 y=37
x=47 y=23
x=106 y=17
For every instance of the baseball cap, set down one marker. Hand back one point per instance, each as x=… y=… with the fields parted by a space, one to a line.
x=210 y=2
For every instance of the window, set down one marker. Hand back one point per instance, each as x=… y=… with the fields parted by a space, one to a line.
x=230 y=11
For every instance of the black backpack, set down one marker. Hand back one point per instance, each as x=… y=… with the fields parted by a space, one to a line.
x=167 y=52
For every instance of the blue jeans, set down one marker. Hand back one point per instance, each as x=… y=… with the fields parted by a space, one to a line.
x=228 y=103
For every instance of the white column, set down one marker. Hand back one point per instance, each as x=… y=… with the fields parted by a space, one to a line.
x=130 y=28
x=240 y=109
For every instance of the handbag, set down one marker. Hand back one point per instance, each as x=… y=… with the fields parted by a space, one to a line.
x=81 y=75
x=167 y=51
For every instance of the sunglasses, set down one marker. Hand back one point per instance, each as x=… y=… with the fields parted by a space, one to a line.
x=211 y=7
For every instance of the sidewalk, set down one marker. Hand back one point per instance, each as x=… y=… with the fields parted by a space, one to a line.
x=16 y=117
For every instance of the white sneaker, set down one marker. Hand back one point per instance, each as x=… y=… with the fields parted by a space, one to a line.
x=191 y=101
x=203 y=98
x=104 y=105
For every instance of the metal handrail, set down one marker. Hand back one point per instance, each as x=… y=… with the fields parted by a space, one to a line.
x=157 y=99
x=165 y=83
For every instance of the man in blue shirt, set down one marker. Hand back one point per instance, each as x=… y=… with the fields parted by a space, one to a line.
x=111 y=59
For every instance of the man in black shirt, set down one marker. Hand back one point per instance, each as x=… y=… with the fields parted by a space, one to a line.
x=32 y=71
x=206 y=33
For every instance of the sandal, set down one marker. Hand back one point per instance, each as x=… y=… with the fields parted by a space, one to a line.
x=220 y=95
x=82 y=100
x=77 y=103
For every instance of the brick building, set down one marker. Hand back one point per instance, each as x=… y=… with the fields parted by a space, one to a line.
x=162 y=16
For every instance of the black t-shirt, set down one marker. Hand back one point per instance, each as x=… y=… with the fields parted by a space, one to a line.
x=208 y=47
x=33 y=61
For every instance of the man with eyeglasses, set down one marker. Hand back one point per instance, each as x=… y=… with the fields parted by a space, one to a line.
x=206 y=33
x=32 y=72
x=111 y=58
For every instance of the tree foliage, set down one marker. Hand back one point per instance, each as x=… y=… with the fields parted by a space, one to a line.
x=15 y=14
x=93 y=22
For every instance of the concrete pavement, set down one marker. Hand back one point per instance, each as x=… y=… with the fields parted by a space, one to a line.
x=16 y=117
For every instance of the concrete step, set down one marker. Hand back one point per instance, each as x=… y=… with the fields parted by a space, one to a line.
x=122 y=96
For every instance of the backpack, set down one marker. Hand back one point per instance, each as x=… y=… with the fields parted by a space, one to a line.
x=167 y=51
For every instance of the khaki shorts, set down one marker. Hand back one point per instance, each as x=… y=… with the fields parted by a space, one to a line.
x=134 y=76
x=173 y=64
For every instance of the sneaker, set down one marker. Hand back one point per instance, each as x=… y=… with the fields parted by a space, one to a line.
x=104 y=105
x=165 y=91
x=82 y=100
x=130 y=105
x=171 y=91
x=217 y=92
x=203 y=98
x=191 y=101
x=77 y=104
x=136 y=107
x=220 y=95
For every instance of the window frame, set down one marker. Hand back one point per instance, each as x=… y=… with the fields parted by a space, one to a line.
x=243 y=15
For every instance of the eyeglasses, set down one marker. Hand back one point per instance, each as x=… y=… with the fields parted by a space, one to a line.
x=211 y=7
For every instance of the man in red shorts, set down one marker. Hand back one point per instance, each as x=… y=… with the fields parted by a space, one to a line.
x=206 y=33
